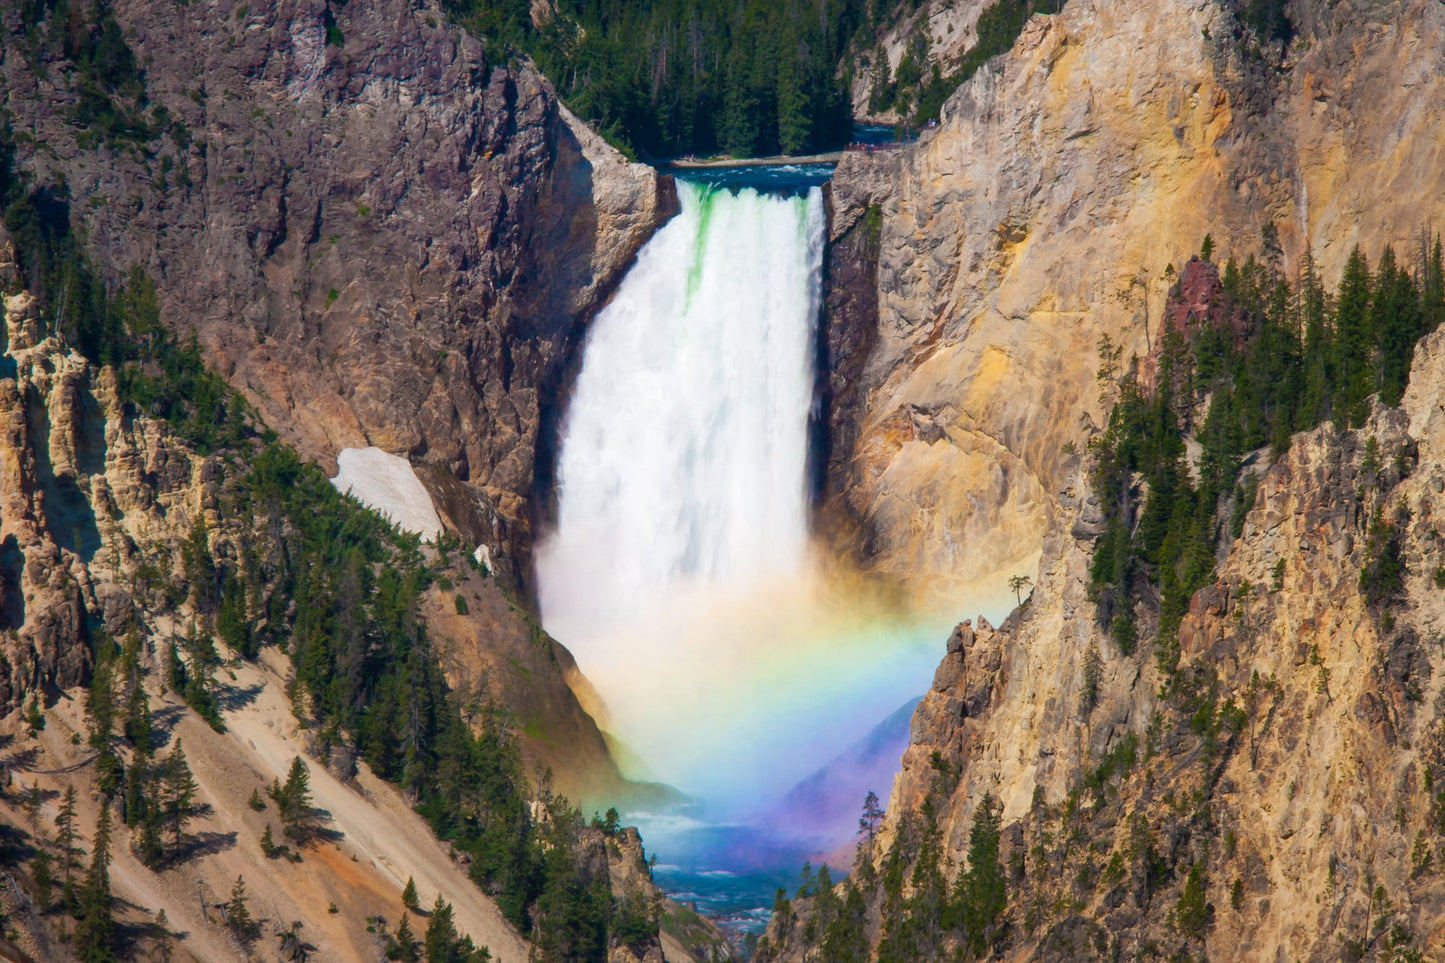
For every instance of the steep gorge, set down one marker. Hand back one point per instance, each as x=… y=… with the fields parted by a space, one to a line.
x=1064 y=186
x=1054 y=207
x=434 y=231
x=117 y=532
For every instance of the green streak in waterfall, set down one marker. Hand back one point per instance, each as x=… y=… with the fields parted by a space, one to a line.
x=706 y=198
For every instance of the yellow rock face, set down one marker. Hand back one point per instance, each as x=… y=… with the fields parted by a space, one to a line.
x=1064 y=186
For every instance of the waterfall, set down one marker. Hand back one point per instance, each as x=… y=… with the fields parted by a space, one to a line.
x=684 y=452
x=679 y=573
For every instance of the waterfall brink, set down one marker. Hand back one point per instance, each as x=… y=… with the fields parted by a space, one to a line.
x=679 y=573
x=684 y=452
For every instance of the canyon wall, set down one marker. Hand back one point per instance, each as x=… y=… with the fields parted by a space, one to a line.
x=1301 y=807
x=1275 y=799
x=1065 y=185
x=100 y=506
x=380 y=234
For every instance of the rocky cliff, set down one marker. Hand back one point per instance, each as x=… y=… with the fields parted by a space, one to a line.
x=943 y=30
x=1276 y=798
x=88 y=494
x=98 y=541
x=1311 y=809
x=1065 y=184
x=380 y=234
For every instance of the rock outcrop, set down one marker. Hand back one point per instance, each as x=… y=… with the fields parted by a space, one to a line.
x=616 y=854
x=1065 y=184
x=499 y=652
x=90 y=494
x=380 y=234
x=1291 y=762
x=945 y=29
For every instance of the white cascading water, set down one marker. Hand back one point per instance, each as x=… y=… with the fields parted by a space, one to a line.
x=678 y=573
x=685 y=446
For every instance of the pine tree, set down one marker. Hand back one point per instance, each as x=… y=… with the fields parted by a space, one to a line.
x=405 y=946
x=826 y=901
x=1318 y=351
x=408 y=895
x=35 y=716
x=95 y=927
x=100 y=698
x=1432 y=294
x=139 y=731
x=443 y=944
x=794 y=122
x=137 y=782
x=238 y=913
x=178 y=794
x=985 y=891
x=33 y=801
x=268 y=842
x=872 y=817
x=738 y=122
x=846 y=941
x=44 y=882
x=161 y=933
x=199 y=693
x=232 y=624
x=175 y=674
x=109 y=772
x=294 y=800
x=880 y=90
x=130 y=652
x=199 y=566
x=144 y=807
x=441 y=933
x=1192 y=913
x=152 y=848
x=912 y=67
x=1354 y=342
x=1397 y=322
x=65 y=835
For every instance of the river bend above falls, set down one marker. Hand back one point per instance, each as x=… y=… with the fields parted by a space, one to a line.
x=681 y=572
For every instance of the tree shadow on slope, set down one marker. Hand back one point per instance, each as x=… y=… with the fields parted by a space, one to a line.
x=204 y=843
x=233 y=697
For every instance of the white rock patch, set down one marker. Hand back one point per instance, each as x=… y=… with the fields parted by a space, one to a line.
x=387 y=483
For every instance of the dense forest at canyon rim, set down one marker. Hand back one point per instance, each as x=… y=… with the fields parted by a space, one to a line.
x=671 y=77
